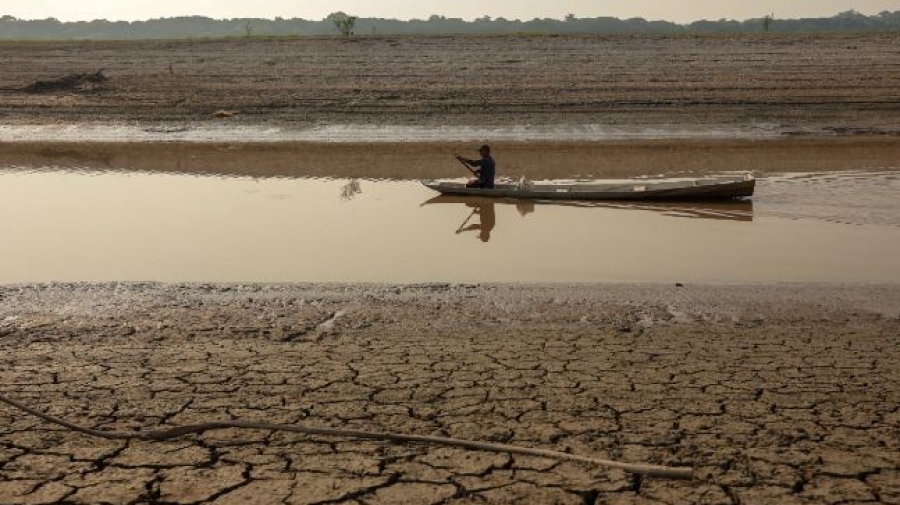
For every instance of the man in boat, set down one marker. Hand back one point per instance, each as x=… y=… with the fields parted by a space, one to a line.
x=483 y=169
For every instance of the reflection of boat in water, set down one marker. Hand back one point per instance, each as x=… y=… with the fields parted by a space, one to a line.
x=732 y=210
x=632 y=189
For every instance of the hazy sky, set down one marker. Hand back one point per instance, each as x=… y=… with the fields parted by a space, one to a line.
x=672 y=10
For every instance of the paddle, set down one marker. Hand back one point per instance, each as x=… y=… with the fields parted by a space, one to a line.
x=463 y=161
x=464 y=223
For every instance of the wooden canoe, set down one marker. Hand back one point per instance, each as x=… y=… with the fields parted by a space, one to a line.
x=632 y=189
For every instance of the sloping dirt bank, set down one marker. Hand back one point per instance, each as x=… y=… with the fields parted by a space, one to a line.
x=414 y=160
x=843 y=84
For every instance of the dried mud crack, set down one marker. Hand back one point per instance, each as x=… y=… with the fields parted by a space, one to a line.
x=784 y=394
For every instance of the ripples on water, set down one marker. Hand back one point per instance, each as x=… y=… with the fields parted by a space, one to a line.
x=858 y=197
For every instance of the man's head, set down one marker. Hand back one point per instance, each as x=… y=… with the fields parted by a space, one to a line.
x=484 y=150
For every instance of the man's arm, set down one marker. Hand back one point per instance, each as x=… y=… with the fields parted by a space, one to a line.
x=470 y=164
x=467 y=161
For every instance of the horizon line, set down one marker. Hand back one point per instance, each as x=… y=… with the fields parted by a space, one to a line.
x=561 y=19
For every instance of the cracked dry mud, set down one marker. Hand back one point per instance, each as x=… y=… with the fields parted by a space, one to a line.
x=774 y=394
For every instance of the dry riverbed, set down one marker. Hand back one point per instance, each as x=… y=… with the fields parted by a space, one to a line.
x=772 y=393
x=807 y=84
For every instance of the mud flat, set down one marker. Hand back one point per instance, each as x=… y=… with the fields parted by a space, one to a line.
x=816 y=84
x=772 y=393
x=399 y=107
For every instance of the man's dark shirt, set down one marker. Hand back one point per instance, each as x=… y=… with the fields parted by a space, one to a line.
x=488 y=168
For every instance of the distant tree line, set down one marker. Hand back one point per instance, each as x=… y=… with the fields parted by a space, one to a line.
x=12 y=28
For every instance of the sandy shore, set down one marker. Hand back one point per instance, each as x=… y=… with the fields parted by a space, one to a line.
x=772 y=393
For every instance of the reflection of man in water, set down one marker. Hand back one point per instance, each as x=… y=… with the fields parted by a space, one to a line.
x=484 y=169
x=486 y=217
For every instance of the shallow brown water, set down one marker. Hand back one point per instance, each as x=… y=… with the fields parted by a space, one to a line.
x=71 y=225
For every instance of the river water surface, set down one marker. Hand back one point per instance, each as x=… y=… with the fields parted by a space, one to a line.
x=65 y=224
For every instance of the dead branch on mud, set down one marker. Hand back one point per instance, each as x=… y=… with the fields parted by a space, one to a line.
x=180 y=431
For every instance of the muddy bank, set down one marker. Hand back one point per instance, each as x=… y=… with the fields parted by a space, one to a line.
x=820 y=83
x=405 y=160
x=772 y=393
